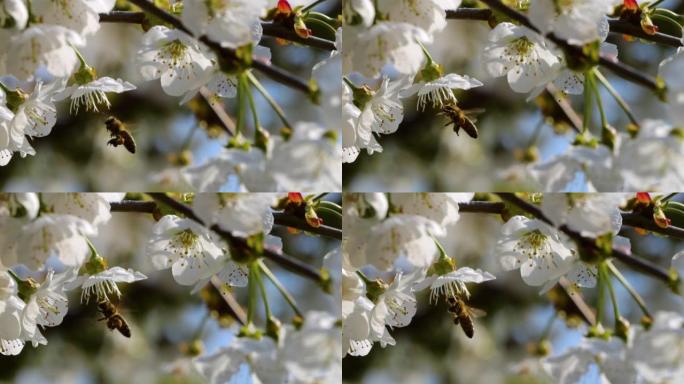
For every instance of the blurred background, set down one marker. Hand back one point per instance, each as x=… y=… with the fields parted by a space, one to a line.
x=423 y=155
x=163 y=316
x=433 y=350
x=75 y=156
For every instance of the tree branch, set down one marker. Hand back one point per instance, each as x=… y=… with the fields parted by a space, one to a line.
x=495 y=207
x=616 y=67
x=616 y=26
x=269 y=70
x=235 y=308
x=590 y=243
x=282 y=259
x=226 y=122
x=295 y=222
x=636 y=220
x=269 y=29
x=133 y=206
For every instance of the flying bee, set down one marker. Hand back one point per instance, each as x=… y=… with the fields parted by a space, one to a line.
x=461 y=119
x=463 y=314
x=114 y=319
x=119 y=134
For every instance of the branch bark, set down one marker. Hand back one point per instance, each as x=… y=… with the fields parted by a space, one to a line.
x=616 y=67
x=616 y=26
x=269 y=70
x=641 y=265
x=280 y=258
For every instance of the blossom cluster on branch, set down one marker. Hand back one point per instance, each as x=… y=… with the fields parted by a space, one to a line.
x=394 y=248
x=192 y=48
x=205 y=240
x=548 y=52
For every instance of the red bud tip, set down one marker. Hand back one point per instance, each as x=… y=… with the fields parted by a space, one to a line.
x=295 y=197
x=284 y=7
x=631 y=5
x=643 y=197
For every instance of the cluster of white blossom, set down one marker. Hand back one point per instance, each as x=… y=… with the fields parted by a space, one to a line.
x=47 y=252
x=40 y=64
x=391 y=251
x=386 y=58
x=395 y=237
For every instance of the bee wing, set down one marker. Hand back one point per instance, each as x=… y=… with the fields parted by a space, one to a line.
x=474 y=111
x=476 y=312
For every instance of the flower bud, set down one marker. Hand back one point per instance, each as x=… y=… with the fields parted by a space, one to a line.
x=273 y=327
x=622 y=328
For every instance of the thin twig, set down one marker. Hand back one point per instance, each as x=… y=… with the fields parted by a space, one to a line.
x=282 y=259
x=590 y=243
x=269 y=29
x=616 y=67
x=578 y=300
x=227 y=122
x=639 y=221
x=267 y=69
x=133 y=206
x=235 y=308
x=562 y=102
x=284 y=219
x=616 y=26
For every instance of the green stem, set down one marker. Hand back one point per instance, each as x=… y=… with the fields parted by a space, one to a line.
x=632 y=292
x=252 y=106
x=274 y=105
x=319 y=196
x=616 y=311
x=242 y=105
x=620 y=101
x=601 y=296
x=363 y=277
x=669 y=197
x=253 y=294
x=311 y=6
x=283 y=291
x=588 y=102
x=93 y=251
x=429 y=58
x=80 y=57
x=262 y=288
x=599 y=104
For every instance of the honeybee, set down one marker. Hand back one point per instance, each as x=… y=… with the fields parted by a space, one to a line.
x=119 y=134
x=113 y=317
x=461 y=119
x=463 y=314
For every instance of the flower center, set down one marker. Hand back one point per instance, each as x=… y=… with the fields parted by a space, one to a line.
x=522 y=46
x=214 y=7
x=187 y=238
x=532 y=244
x=176 y=50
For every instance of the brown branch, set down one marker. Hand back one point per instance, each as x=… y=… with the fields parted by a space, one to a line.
x=133 y=206
x=616 y=67
x=590 y=243
x=562 y=102
x=227 y=122
x=269 y=70
x=280 y=258
x=235 y=308
x=639 y=221
x=287 y=220
x=616 y=26
x=269 y=29
x=578 y=300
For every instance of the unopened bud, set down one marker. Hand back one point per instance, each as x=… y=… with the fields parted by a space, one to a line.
x=622 y=328
x=273 y=327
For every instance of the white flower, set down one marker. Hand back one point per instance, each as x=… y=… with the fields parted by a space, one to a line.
x=397 y=305
x=92 y=94
x=439 y=91
x=608 y=356
x=43 y=46
x=91 y=207
x=357 y=335
x=47 y=306
x=577 y=21
x=11 y=341
x=230 y=23
x=259 y=355
x=174 y=57
x=521 y=55
x=440 y=207
x=535 y=248
x=34 y=117
x=313 y=353
x=309 y=161
x=13 y=13
x=670 y=70
x=104 y=282
x=406 y=236
x=390 y=43
x=651 y=161
x=185 y=246
x=592 y=215
x=242 y=214
x=19 y=204
x=76 y=15
x=359 y=12
x=656 y=353
x=248 y=165
x=61 y=235
x=428 y=15
x=596 y=164
x=452 y=284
